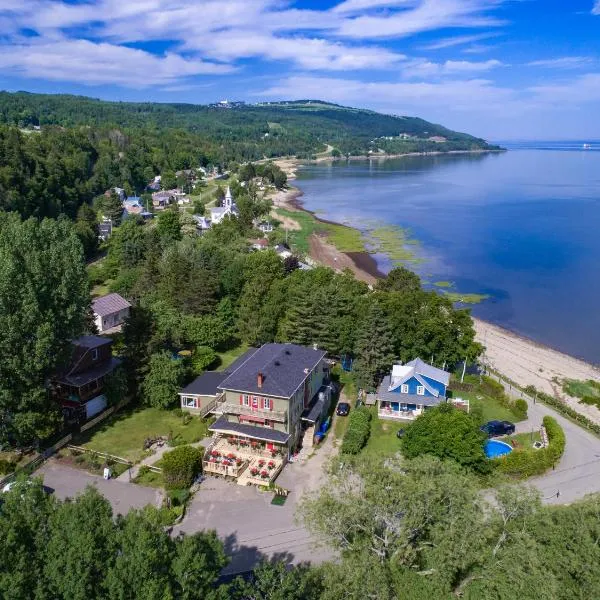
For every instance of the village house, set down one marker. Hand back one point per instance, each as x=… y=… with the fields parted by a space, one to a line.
x=105 y=229
x=259 y=244
x=202 y=223
x=270 y=402
x=110 y=311
x=78 y=387
x=132 y=206
x=229 y=208
x=161 y=200
x=411 y=389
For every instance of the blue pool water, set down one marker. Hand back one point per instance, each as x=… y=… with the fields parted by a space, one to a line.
x=495 y=448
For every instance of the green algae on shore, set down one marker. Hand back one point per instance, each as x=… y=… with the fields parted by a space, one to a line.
x=392 y=241
x=444 y=284
x=466 y=298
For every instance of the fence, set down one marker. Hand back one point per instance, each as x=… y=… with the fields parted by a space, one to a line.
x=118 y=459
x=96 y=420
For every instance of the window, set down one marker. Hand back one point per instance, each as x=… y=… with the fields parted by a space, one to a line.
x=404 y=388
x=267 y=403
x=94 y=353
x=420 y=390
x=188 y=401
x=246 y=400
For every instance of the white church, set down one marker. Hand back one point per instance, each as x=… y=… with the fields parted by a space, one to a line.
x=218 y=213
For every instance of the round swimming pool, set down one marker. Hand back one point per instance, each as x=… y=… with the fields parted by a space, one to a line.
x=496 y=448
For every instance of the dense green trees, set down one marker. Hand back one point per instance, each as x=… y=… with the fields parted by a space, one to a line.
x=75 y=550
x=447 y=433
x=44 y=295
x=180 y=466
x=162 y=382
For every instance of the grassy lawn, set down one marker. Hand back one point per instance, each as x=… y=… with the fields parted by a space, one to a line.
x=150 y=479
x=383 y=440
x=523 y=440
x=491 y=408
x=124 y=434
x=226 y=358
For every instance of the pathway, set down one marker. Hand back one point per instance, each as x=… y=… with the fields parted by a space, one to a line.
x=133 y=471
x=578 y=472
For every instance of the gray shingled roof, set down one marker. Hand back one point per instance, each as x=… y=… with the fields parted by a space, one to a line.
x=109 y=304
x=383 y=394
x=86 y=377
x=284 y=368
x=91 y=341
x=207 y=383
x=222 y=425
x=422 y=368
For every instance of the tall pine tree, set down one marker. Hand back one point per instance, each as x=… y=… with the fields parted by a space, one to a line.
x=374 y=348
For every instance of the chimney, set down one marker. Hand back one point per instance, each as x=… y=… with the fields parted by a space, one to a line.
x=259 y=380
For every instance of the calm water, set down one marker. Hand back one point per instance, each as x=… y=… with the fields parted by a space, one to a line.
x=522 y=226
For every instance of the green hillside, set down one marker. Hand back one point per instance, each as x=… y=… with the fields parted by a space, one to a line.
x=250 y=131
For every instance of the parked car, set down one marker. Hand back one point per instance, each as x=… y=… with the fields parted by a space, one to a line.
x=343 y=408
x=494 y=428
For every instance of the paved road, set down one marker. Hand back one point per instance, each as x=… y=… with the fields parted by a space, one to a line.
x=250 y=526
x=68 y=482
x=578 y=472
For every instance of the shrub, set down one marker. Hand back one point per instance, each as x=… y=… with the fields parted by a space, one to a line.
x=179 y=497
x=7 y=466
x=178 y=412
x=180 y=466
x=358 y=431
x=447 y=433
x=143 y=470
x=525 y=463
x=521 y=408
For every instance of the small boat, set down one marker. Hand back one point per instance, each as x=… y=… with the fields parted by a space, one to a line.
x=587 y=146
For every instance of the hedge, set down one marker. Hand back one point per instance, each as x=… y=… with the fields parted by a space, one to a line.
x=525 y=463
x=358 y=431
x=180 y=466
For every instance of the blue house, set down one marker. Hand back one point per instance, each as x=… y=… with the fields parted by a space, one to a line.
x=410 y=389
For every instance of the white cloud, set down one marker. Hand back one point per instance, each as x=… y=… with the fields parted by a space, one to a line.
x=425 y=69
x=564 y=62
x=99 y=63
x=428 y=15
x=458 y=41
x=575 y=92
x=596 y=8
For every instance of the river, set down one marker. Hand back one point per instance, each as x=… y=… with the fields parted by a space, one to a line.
x=522 y=227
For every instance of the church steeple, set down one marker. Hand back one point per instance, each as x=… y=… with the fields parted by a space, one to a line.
x=228 y=198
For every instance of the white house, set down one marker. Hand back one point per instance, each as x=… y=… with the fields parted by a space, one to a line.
x=110 y=311
x=218 y=213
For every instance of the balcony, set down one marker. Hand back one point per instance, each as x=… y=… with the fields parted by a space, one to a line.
x=239 y=409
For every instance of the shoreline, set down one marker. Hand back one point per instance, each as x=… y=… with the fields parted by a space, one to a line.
x=516 y=356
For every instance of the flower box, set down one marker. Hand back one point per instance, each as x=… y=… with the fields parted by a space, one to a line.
x=264 y=474
x=254 y=471
x=261 y=463
x=231 y=456
x=271 y=465
x=238 y=462
x=215 y=453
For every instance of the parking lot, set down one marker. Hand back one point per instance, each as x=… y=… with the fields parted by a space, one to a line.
x=68 y=482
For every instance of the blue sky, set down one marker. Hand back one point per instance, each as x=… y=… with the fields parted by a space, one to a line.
x=502 y=69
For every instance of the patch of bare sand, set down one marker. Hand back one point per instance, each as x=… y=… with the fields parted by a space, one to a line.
x=327 y=254
x=527 y=363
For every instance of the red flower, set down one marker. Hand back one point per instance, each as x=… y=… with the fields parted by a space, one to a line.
x=215 y=453
x=264 y=474
x=231 y=455
x=271 y=464
x=261 y=463
x=254 y=471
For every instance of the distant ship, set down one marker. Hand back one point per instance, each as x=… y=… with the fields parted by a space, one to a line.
x=587 y=146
